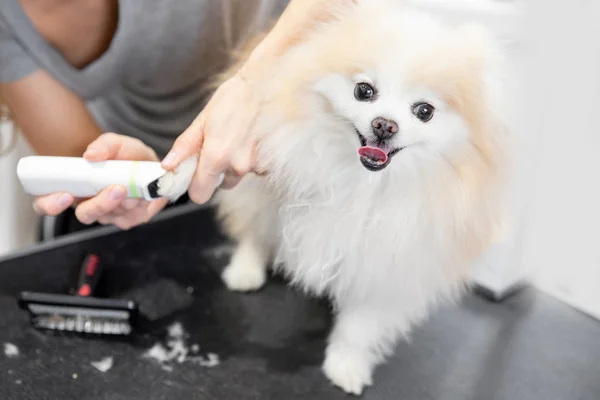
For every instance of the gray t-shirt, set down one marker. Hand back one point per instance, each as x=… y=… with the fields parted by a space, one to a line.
x=148 y=84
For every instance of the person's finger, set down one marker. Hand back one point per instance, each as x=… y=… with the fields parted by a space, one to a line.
x=126 y=217
x=106 y=146
x=122 y=222
x=105 y=202
x=130 y=204
x=53 y=204
x=111 y=146
x=77 y=201
x=212 y=163
x=187 y=144
x=125 y=223
x=155 y=206
x=120 y=210
x=140 y=215
x=127 y=220
x=244 y=159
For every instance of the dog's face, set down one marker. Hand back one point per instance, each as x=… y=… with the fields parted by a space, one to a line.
x=388 y=114
x=387 y=90
x=406 y=85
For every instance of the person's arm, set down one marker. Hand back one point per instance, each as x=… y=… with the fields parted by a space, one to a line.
x=56 y=122
x=220 y=133
x=53 y=120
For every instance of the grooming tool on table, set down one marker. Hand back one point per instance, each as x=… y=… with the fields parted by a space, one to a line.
x=81 y=312
x=137 y=310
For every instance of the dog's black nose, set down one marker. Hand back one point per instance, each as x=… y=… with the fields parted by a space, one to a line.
x=384 y=128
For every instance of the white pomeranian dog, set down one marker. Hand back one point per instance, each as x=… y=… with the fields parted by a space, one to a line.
x=385 y=141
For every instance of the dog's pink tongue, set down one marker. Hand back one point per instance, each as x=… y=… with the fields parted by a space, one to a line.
x=373 y=153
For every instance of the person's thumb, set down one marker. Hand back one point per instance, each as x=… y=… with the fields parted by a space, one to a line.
x=187 y=144
x=111 y=146
x=52 y=204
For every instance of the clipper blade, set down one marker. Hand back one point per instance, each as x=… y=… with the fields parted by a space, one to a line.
x=153 y=189
x=87 y=315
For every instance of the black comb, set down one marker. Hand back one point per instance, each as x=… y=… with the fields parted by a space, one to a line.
x=80 y=312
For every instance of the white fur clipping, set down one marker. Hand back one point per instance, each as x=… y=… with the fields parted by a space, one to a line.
x=103 y=365
x=10 y=350
x=176 y=330
x=158 y=353
x=177 y=351
x=210 y=361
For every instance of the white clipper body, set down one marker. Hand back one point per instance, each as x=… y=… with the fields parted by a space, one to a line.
x=43 y=175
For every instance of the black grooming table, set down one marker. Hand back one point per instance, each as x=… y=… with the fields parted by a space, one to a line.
x=270 y=343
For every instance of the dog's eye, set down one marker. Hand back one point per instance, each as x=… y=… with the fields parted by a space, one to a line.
x=423 y=111
x=364 y=92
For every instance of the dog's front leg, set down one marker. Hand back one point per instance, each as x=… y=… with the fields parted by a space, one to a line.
x=247 y=270
x=361 y=338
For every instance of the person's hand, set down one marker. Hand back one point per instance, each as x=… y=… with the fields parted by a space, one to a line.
x=222 y=137
x=222 y=134
x=110 y=206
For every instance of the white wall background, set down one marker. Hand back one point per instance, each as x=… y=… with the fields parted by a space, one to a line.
x=555 y=242
x=561 y=221
x=18 y=222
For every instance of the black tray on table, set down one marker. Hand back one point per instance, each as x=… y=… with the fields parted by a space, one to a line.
x=270 y=343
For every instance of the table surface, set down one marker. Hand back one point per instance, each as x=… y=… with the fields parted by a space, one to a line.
x=270 y=343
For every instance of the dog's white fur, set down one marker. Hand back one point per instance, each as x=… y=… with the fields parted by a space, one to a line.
x=383 y=246
x=174 y=184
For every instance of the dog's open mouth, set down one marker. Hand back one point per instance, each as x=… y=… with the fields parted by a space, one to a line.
x=375 y=155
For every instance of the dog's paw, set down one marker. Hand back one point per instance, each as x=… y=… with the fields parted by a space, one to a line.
x=244 y=276
x=348 y=369
x=174 y=184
